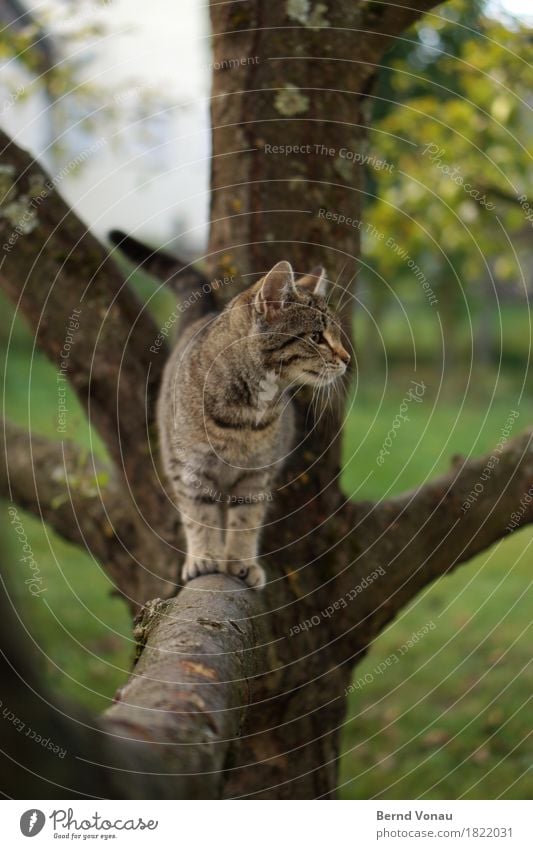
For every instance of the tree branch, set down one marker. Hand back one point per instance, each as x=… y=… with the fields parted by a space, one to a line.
x=56 y=482
x=169 y=733
x=54 y=269
x=386 y=19
x=497 y=192
x=190 y=690
x=82 y=500
x=425 y=534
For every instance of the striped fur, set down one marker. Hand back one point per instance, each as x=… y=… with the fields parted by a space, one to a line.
x=225 y=417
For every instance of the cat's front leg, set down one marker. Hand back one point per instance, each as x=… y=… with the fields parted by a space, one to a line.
x=246 y=508
x=202 y=522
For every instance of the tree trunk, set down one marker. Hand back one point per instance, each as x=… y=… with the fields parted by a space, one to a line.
x=301 y=86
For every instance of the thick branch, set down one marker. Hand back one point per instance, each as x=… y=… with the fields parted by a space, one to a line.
x=56 y=482
x=169 y=734
x=190 y=690
x=79 y=497
x=424 y=534
x=85 y=318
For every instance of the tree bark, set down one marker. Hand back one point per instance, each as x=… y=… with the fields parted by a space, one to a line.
x=238 y=693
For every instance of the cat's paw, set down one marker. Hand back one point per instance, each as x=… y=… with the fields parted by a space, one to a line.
x=251 y=573
x=196 y=566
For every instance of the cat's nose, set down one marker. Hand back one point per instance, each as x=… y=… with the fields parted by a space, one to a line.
x=342 y=354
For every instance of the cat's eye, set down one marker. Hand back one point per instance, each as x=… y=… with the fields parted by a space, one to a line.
x=316 y=337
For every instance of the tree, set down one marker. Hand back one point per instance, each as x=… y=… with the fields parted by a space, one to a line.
x=234 y=693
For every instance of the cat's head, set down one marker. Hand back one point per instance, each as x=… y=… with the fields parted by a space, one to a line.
x=298 y=335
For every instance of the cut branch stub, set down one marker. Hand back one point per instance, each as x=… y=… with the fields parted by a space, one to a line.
x=190 y=688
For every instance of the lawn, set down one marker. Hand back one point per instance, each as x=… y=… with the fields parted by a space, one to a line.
x=450 y=716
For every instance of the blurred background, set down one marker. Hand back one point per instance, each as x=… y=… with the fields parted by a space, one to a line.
x=115 y=99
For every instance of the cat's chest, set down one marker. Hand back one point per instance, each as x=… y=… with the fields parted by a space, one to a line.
x=260 y=443
x=238 y=447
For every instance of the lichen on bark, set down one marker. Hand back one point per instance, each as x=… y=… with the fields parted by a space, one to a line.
x=290 y=101
x=313 y=17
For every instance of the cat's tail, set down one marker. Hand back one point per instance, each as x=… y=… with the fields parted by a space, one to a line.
x=183 y=278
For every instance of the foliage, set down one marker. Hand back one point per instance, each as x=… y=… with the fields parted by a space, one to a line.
x=452 y=124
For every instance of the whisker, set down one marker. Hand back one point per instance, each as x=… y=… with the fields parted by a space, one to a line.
x=312 y=409
x=336 y=284
x=346 y=292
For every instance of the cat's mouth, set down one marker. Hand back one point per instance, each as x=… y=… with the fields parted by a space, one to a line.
x=327 y=374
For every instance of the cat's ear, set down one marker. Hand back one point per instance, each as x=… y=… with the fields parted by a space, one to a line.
x=315 y=281
x=276 y=288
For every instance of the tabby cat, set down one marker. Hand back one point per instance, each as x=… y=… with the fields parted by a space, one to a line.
x=225 y=416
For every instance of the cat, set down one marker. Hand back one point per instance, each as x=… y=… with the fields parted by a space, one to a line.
x=225 y=417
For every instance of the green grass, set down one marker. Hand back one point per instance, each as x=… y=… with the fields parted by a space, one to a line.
x=451 y=717
x=81 y=631
x=409 y=326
